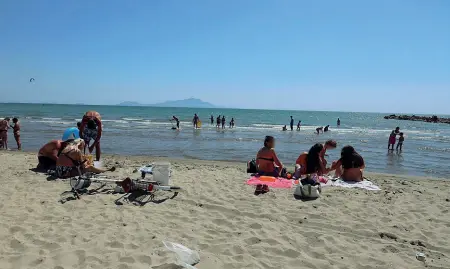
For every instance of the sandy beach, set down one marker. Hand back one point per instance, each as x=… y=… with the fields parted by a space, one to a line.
x=218 y=215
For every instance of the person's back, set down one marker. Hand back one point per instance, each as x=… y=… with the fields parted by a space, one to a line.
x=266 y=159
x=352 y=164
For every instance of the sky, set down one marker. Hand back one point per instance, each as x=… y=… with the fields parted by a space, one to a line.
x=374 y=55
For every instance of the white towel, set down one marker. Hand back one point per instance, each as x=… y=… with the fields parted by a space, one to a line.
x=148 y=169
x=365 y=184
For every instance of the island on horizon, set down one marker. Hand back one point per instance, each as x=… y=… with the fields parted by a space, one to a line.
x=190 y=102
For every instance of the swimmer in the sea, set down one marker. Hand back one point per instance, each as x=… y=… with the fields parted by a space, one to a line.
x=292 y=124
x=177 y=121
x=320 y=129
x=338 y=122
x=326 y=128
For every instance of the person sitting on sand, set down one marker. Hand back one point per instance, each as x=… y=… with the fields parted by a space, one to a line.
x=311 y=162
x=329 y=144
x=48 y=154
x=267 y=162
x=350 y=166
x=91 y=129
x=319 y=129
x=4 y=126
x=71 y=161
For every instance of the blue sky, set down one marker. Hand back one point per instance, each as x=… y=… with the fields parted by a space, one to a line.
x=386 y=56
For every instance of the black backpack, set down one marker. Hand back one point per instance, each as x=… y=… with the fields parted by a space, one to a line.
x=251 y=167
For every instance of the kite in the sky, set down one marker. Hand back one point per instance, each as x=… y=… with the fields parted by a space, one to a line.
x=31 y=79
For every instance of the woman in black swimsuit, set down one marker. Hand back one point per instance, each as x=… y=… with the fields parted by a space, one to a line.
x=267 y=161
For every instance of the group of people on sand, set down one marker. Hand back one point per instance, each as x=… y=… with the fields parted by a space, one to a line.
x=349 y=166
x=393 y=139
x=4 y=127
x=68 y=158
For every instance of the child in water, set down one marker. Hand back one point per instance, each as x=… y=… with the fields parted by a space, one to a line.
x=400 y=141
x=392 y=138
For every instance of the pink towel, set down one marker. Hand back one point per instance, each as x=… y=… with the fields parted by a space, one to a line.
x=281 y=183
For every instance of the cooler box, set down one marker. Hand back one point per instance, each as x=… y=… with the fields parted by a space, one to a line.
x=161 y=173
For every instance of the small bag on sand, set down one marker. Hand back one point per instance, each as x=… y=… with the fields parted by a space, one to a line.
x=308 y=191
x=251 y=167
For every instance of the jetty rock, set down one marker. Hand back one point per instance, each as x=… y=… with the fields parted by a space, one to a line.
x=434 y=119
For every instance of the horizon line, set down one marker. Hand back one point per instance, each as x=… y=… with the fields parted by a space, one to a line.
x=218 y=107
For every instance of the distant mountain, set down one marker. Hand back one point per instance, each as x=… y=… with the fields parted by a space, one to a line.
x=191 y=102
x=130 y=104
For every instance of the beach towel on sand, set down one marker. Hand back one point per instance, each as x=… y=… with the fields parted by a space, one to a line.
x=365 y=184
x=273 y=182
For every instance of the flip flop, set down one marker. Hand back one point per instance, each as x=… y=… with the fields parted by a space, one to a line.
x=258 y=190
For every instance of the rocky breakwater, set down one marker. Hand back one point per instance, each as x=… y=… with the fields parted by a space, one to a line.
x=434 y=119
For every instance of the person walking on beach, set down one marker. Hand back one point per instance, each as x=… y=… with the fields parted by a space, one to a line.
x=195 y=121
x=91 y=129
x=298 y=125
x=223 y=122
x=177 y=121
x=4 y=126
x=292 y=124
x=16 y=131
x=400 y=141
x=212 y=119
x=338 y=122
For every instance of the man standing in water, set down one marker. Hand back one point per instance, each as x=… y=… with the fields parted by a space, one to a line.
x=212 y=120
x=338 y=122
x=195 y=121
x=218 y=122
x=223 y=122
x=91 y=129
x=292 y=123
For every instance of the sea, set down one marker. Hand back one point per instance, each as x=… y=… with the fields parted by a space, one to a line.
x=148 y=131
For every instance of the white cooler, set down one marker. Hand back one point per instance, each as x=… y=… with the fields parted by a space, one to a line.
x=161 y=173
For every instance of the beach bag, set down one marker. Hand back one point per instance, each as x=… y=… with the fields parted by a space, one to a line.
x=251 y=167
x=308 y=191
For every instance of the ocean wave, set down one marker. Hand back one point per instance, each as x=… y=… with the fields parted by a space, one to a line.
x=433 y=149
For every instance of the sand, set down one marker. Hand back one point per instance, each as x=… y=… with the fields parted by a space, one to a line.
x=218 y=215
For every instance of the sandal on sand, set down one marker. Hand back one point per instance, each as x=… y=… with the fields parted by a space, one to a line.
x=258 y=190
x=265 y=189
